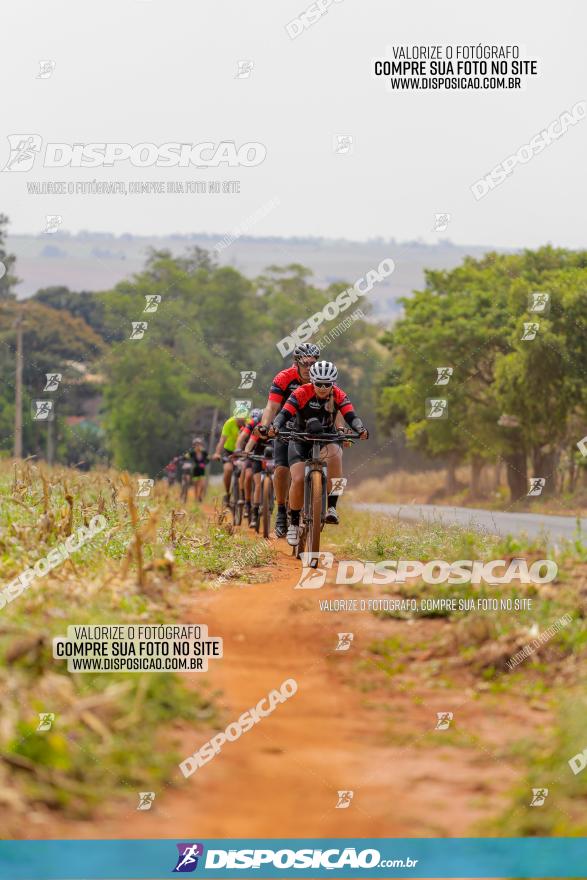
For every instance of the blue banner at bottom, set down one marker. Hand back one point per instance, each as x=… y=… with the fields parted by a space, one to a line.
x=307 y=857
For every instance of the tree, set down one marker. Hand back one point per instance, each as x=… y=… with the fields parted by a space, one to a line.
x=7 y=261
x=508 y=397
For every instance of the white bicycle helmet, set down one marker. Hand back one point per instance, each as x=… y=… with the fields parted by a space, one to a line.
x=323 y=371
x=256 y=413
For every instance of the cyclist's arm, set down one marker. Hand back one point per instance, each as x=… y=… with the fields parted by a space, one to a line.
x=242 y=439
x=345 y=409
x=221 y=444
x=290 y=408
x=276 y=398
x=251 y=443
x=270 y=411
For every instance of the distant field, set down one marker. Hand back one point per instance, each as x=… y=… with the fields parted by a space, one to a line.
x=97 y=261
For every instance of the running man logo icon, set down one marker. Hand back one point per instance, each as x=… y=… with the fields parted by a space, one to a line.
x=52 y=223
x=537 y=484
x=444 y=374
x=242 y=404
x=344 y=641
x=343 y=144
x=539 y=302
x=530 y=330
x=344 y=799
x=247 y=379
x=138 y=329
x=187 y=860
x=46 y=68
x=46 y=720
x=23 y=151
x=338 y=485
x=42 y=410
x=441 y=222
x=145 y=487
x=146 y=799
x=443 y=720
x=244 y=69
x=53 y=380
x=436 y=408
x=313 y=577
x=153 y=300
x=539 y=795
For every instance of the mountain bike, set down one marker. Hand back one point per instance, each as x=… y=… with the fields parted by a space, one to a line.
x=267 y=502
x=237 y=496
x=186 y=480
x=313 y=511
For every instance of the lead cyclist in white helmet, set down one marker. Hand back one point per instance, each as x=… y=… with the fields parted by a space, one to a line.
x=322 y=399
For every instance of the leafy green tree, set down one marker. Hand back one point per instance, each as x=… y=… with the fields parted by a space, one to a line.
x=86 y=305
x=7 y=261
x=147 y=408
x=51 y=340
x=508 y=398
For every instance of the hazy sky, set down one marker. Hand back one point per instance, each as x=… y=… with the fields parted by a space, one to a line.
x=155 y=71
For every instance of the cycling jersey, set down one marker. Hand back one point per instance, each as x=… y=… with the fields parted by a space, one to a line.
x=199 y=461
x=303 y=404
x=230 y=431
x=283 y=384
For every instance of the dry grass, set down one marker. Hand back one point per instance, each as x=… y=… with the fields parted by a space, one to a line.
x=404 y=487
x=111 y=734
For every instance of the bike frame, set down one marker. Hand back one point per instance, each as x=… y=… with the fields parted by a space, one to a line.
x=267 y=469
x=312 y=464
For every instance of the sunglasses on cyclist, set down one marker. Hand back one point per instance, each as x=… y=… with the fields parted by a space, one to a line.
x=322 y=384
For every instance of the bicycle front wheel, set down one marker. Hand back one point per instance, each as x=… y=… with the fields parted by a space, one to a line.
x=315 y=526
x=237 y=507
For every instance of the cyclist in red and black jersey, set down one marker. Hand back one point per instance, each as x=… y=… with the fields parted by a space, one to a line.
x=247 y=470
x=305 y=354
x=320 y=399
x=260 y=446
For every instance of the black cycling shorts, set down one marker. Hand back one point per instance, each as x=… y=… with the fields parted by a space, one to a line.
x=280 y=455
x=300 y=450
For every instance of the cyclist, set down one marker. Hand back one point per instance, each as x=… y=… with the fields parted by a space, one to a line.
x=187 y=470
x=260 y=446
x=322 y=400
x=226 y=446
x=247 y=468
x=304 y=355
x=171 y=470
x=199 y=457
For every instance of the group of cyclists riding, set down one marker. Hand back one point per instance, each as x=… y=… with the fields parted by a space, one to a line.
x=305 y=406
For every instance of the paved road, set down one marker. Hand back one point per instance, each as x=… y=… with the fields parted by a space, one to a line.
x=496 y=522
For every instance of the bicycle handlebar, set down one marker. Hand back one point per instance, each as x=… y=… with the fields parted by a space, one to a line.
x=321 y=438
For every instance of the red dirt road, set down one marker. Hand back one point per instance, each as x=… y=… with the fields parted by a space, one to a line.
x=348 y=727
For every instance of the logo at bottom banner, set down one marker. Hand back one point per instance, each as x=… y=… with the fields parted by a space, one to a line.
x=187 y=860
